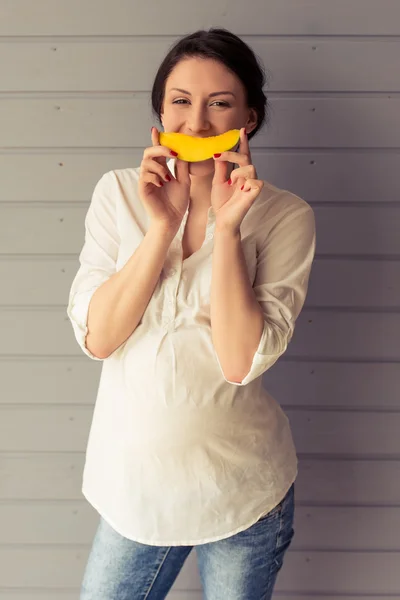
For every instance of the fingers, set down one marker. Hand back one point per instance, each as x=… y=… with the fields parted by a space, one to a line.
x=248 y=172
x=244 y=142
x=156 y=150
x=158 y=172
x=252 y=185
x=155 y=136
x=150 y=177
x=220 y=173
x=234 y=157
x=154 y=167
x=182 y=171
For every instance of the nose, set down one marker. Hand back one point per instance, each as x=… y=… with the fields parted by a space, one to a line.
x=198 y=123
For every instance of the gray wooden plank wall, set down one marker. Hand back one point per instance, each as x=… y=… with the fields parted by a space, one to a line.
x=74 y=103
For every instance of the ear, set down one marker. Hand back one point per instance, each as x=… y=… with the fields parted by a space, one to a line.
x=251 y=121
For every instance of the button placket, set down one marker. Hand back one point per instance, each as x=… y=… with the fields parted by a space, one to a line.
x=175 y=259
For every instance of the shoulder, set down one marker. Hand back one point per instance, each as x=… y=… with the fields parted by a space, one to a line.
x=120 y=184
x=279 y=211
x=124 y=177
x=279 y=201
x=278 y=205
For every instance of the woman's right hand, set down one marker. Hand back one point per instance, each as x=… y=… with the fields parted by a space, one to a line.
x=165 y=201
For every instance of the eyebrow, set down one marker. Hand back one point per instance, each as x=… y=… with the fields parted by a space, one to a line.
x=210 y=95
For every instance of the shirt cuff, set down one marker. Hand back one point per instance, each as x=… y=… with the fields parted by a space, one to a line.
x=262 y=361
x=77 y=311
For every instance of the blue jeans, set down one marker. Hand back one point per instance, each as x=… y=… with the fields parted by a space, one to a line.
x=243 y=566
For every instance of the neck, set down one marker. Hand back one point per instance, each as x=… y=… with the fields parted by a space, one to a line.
x=200 y=193
x=200 y=190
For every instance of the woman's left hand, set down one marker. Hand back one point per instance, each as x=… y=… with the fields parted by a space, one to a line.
x=229 y=201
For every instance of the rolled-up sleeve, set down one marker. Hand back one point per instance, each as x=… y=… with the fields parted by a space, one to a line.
x=283 y=270
x=97 y=258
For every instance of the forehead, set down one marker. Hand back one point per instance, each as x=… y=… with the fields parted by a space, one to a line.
x=204 y=75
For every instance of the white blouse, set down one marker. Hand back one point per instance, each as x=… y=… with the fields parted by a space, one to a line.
x=177 y=454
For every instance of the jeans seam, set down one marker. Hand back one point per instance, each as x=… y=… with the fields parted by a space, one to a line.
x=278 y=537
x=156 y=574
x=273 y=564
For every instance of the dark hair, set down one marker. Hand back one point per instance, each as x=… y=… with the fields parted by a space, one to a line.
x=221 y=45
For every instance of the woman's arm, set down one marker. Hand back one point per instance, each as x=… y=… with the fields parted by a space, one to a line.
x=105 y=306
x=118 y=304
x=253 y=325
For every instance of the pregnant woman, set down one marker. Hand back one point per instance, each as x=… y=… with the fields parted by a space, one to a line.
x=191 y=278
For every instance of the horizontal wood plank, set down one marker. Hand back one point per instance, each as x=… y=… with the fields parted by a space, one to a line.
x=46 y=282
x=49 y=476
x=333 y=528
x=312 y=572
x=368 y=231
x=321 y=176
x=356 y=386
x=279 y=17
x=296 y=65
x=65 y=429
x=344 y=386
x=362 y=573
x=328 y=335
x=101 y=122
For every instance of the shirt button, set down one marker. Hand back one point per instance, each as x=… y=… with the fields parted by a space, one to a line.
x=171 y=272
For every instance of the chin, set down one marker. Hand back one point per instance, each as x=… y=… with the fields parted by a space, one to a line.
x=204 y=167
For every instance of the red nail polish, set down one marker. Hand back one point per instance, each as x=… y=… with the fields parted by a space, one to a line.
x=168 y=178
x=229 y=181
x=242 y=187
x=174 y=153
x=217 y=155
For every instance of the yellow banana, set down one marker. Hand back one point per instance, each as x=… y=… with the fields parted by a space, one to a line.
x=194 y=149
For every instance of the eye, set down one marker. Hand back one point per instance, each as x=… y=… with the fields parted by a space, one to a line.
x=180 y=100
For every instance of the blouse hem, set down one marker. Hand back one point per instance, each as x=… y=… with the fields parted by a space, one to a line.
x=189 y=542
